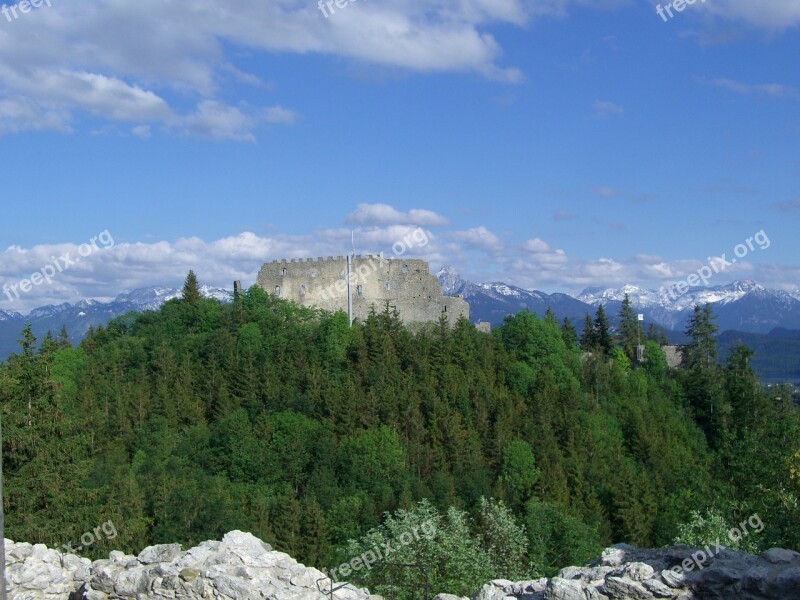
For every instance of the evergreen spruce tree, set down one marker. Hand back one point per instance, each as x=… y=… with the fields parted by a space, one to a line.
x=191 y=290
x=629 y=334
x=657 y=334
x=63 y=338
x=702 y=348
x=703 y=389
x=568 y=333
x=29 y=370
x=602 y=333
x=588 y=338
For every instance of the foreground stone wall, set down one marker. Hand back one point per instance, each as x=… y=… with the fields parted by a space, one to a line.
x=627 y=573
x=242 y=567
x=406 y=284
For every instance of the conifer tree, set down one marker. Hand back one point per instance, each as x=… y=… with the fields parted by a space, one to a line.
x=588 y=338
x=191 y=290
x=569 y=334
x=703 y=389
x=657 y=334
x=63 y=338
x=629 y=334
x=602 y=333
x=702 y=348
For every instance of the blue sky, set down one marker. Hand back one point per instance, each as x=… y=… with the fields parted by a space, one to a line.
x=550 y=144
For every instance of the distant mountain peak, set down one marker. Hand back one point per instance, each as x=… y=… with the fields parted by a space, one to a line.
x=638 y=296
x=452 y=283
x=9 y=316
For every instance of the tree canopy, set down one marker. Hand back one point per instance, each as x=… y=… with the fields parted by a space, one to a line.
x=184 y=423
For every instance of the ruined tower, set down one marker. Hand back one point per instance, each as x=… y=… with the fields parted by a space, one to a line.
x=406 y=284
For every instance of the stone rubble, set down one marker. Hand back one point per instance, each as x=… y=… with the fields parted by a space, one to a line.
x=627 y=573
x=242 y=567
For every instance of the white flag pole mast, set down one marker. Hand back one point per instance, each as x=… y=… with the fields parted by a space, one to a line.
x=349 y=282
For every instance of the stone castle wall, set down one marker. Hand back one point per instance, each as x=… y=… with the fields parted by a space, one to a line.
x=406 y=284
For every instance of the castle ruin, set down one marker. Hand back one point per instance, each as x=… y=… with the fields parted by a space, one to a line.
x=406 y=284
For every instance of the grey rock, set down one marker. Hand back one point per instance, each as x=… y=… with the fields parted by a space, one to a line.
x=638 y=571
x=619 y=587
x=37 y=572
x=490 y=591
x=242 y=567
x=189 y=575
x=674 y=579
x=616 y=555
x=659 y=590
x=158 y=554
x=527 y=588
x=571 y=573
x=564 y=589
x=597 y=574
x=785 y=584
x=627 y=573
x=779 y=555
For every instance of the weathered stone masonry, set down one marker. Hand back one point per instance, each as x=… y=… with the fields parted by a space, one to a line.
x=322 y=283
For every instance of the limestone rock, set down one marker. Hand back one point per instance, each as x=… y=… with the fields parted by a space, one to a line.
x=158 y=554
x=564 y=589
x=37 y=572
x=627 y=573
x=779 y=555
x=242 y=567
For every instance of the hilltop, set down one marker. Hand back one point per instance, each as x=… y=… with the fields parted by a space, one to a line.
x=202 y=417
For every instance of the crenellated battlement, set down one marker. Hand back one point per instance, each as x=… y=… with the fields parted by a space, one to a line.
x=324 y=259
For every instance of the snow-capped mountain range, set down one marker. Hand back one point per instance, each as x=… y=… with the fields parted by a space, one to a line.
x=722 y=294
x=80 y=316
x=491 y=302
x=742 y=305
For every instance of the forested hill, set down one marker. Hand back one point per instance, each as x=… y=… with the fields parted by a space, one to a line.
x=201 y=418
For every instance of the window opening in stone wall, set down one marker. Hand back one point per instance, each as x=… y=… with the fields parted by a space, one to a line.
x=302 y=290
x=284 y=271
x=277 y=290
x=360 y=290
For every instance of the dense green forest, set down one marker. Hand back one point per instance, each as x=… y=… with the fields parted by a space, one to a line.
x=182 y=424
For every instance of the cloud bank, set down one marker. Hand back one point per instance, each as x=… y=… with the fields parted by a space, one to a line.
x=477 y=253
x=163 y=66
